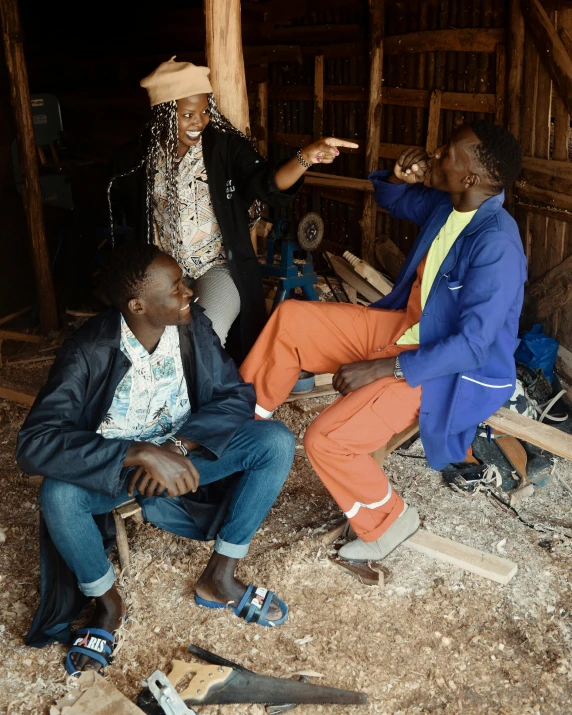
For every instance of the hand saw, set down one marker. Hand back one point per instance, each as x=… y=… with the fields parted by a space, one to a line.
x=223 y=682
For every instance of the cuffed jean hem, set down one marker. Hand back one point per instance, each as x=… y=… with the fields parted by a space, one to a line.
x=99 y=587
x=233 y=551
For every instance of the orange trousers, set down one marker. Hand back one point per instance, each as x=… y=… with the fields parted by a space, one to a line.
x=320 y=337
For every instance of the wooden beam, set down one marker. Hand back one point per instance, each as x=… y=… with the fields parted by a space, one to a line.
x=468 y=558
x=393 y=151
x=318 y=116
x=457 y=101
x=347 y=273
x=537 y=433
x=543 y=197
x=21 y=337
x=550 y=48
x=419 y=98
x=226 y=61
x=373 y=124
x=339 y=182
x=516 y=63
x=31 y=193
x=465 y=40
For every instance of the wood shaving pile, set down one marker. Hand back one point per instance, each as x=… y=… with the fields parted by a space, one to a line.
x=435 y=640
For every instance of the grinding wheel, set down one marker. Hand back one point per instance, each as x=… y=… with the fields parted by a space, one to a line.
x=310 y=231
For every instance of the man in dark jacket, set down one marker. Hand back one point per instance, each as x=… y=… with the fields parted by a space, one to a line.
x=143 y=401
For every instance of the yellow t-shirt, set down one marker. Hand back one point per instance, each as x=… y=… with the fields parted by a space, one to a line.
x=440 y=247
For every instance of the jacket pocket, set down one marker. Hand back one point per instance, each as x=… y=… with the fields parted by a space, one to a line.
x=478 y=397
x=454 y=285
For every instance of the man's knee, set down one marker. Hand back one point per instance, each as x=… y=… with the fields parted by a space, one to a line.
x=57 y=497
x=314 y=439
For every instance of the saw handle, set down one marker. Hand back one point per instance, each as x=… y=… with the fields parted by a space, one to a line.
x=215 y=659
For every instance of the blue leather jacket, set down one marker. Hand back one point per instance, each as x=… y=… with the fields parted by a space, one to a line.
x=469 y=325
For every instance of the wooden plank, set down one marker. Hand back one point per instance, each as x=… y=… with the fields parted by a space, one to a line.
x=16 y=314
x=537 y=433
x=21 y=337
x=31 y=193
x=550 y=48
x=465 y=40
x=23 y=398
x=560 y=170
x=516 y=63
x=468 y=558
x=369 y=218
x=500 y=84
x=323 y=391
x=347 y=273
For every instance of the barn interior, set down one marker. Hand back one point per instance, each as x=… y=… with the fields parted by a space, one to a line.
x=428 y=633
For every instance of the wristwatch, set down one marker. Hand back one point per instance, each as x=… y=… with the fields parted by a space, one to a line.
x=397 y=371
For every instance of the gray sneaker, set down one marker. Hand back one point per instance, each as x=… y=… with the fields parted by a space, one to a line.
x=401 y=529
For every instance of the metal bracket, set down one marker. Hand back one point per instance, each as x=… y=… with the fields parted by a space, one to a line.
x=166 y=695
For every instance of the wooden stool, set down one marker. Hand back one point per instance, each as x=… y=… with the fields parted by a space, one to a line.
x=129 y=508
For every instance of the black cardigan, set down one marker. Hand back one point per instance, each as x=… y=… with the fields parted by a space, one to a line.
x=237 y=175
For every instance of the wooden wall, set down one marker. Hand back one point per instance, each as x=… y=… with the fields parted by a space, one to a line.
x=540 y=119
x=444 y=61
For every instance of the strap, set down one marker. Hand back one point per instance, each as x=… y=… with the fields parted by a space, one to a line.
x=70 y=667
x=244 y=605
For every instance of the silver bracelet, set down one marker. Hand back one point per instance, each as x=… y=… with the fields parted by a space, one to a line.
x=302 y=160
x=179 y=444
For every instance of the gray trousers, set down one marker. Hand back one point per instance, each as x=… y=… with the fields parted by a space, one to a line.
x=218 y=295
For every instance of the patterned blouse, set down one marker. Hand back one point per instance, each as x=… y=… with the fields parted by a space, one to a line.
x=200 y=241
x=151 y=402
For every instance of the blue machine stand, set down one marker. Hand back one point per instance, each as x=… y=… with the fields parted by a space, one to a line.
x=289 y=274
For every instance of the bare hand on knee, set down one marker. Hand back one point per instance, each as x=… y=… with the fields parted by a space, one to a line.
x=353 y=375
x=156 y=466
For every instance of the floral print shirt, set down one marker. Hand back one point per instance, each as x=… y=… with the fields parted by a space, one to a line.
x=199 y=245
x=151 y=402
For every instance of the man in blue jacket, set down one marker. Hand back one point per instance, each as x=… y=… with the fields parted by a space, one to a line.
x=438 y=348
x=142 y=400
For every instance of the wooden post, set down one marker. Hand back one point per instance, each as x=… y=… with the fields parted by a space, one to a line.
x=263 y=114
x=433 y=127
x=226 y=60
x=318 y=116
x=22 y=108
x=500 y=82
x=376 y=32
x=516 y=63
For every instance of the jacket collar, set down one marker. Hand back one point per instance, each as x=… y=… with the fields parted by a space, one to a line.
x=488 y=208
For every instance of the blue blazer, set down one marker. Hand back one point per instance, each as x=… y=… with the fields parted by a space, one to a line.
x=469 y=325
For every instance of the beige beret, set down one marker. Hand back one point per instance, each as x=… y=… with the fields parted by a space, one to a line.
x=175 y=80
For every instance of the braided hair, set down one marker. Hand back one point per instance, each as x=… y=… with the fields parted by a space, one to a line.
x=163 y=129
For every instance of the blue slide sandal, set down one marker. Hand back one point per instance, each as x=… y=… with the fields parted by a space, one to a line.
x=95 y=643
x=253 y=606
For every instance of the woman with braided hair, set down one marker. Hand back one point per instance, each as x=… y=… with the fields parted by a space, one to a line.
x=188 y=184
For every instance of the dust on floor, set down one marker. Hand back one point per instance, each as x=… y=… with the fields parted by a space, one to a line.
x=435 y=640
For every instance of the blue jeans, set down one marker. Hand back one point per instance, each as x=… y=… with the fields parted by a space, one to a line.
x=261 y=450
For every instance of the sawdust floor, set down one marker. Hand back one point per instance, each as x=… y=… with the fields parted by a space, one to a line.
x=435 y=640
